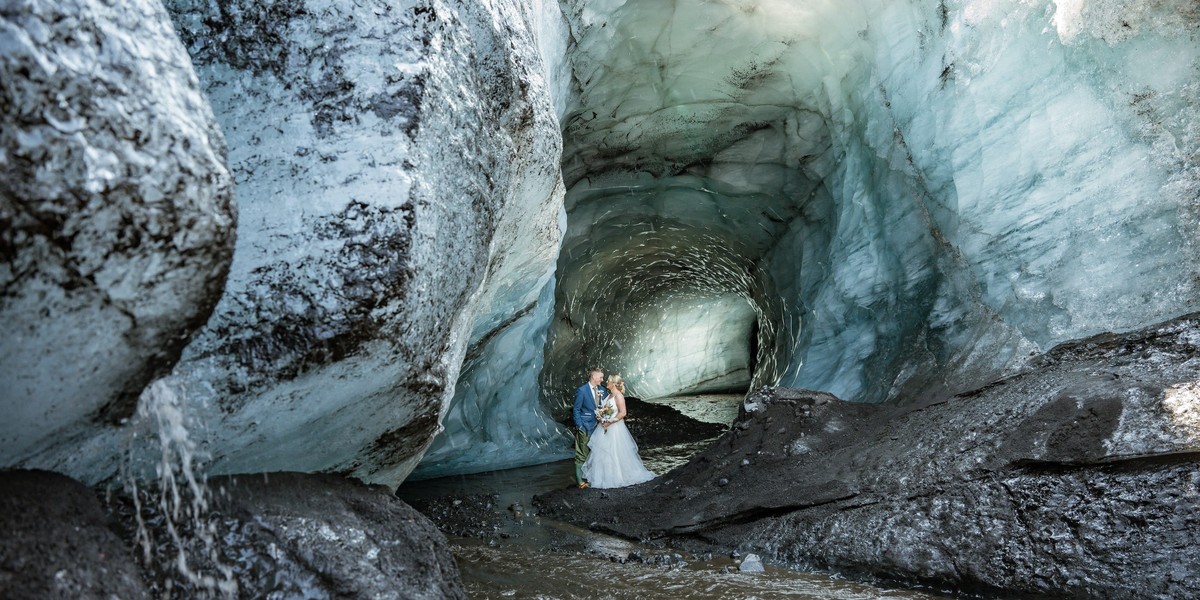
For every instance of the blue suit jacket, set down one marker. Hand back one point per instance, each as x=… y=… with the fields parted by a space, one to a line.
x=585 y=407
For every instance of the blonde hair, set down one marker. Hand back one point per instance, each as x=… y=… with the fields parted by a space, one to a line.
x=615 y=380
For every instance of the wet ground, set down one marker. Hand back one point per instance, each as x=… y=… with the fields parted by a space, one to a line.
x=709 y=408
x=505 y=551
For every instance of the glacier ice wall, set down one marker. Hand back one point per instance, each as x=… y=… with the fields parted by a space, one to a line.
x=495 y=418
x=947 y=186
x=414 y=210
x=398 y=182
x=877 y=199
x=117 y=214
x=660 y=280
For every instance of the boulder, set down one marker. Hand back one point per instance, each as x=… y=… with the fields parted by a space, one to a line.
x=299 y=535
x=57 y=542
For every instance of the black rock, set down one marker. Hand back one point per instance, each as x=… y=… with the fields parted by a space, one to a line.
x=338 y=535
x=464 y=516
x=56 y=542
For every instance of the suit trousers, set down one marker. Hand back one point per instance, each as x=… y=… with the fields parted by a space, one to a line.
x=581 y=451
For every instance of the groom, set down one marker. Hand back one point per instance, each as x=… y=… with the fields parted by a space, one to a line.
x=587 y=398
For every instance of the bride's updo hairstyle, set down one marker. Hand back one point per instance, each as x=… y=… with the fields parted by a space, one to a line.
x=615 y=380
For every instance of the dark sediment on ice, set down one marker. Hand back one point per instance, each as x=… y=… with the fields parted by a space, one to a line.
x=466 y=515
x=57 y=542
x=1077 y=477
x=480 y=515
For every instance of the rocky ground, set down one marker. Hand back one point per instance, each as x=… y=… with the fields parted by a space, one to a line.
x=1077 y=477
x=489 y=517
x=58 y=542
x=275 y=535
x=504 y=550
x=470 y=515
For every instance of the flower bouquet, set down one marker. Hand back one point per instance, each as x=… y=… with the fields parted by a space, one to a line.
x=606 y=414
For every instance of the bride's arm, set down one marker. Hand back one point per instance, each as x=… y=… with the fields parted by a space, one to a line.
x=620 y=405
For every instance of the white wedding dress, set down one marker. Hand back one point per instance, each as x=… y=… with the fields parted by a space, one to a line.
x=614 y=460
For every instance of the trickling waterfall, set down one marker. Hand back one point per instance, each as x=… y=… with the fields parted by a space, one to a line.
x=176 y=501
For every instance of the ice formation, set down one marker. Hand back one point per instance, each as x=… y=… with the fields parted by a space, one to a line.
x=448 y=211
x=931 y=190
x=117 y=214
x=401 y=202
x=397 y=177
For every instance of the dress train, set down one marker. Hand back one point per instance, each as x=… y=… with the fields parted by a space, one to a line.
x=614 y=460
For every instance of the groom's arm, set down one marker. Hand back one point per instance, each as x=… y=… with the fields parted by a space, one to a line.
x=577 y=412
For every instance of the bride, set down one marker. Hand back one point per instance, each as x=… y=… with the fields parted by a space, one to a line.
x=614 y=460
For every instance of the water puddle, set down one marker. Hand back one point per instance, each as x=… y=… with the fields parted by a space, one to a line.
x=709 y=408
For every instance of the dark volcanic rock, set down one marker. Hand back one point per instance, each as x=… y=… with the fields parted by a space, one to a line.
x=298 y=535
x=463 y=516
x=116 y=215
x=56 y=542
x=1075 y=478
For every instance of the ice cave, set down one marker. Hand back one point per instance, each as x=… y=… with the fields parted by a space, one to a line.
x=385 y=240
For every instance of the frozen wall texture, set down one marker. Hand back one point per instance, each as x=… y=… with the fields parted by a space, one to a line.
x=496 y=418
x=932 y=191
x=116 y=215
x=879 y=199
x=397 y=172
x=398 y=168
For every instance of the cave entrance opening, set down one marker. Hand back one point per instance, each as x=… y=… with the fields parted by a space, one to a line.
x=664 y=282
x=689 y=344
x=701 y=359
x=674 y=309
x=687 y=353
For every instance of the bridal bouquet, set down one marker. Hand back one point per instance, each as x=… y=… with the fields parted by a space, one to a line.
x=606 y=414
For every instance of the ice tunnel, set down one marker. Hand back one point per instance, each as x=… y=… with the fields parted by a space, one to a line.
x=446 y=211
x=883 y=200
x=661 y=281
